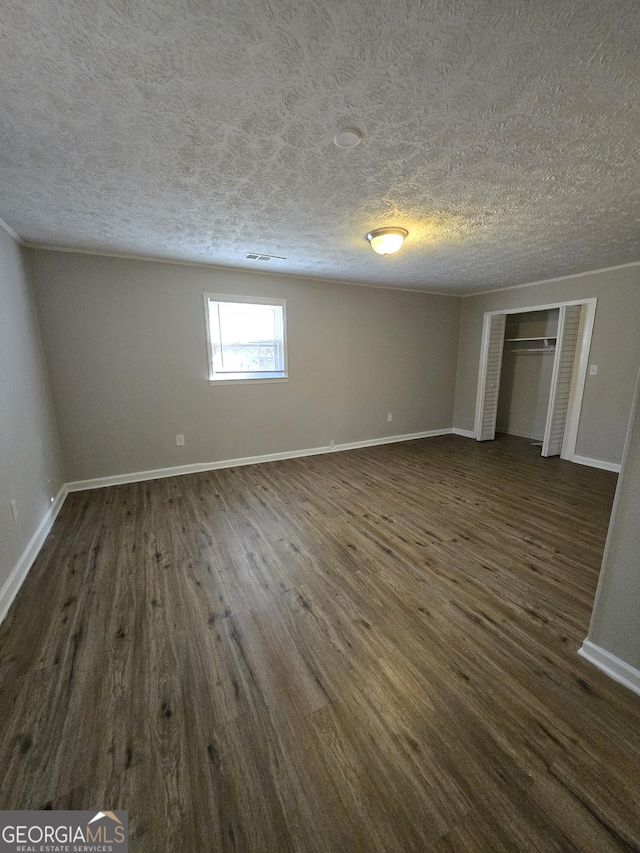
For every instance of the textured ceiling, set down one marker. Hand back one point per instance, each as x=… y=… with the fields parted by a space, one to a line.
x=503 y=134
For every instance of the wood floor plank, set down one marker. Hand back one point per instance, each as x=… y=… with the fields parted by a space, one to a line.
x=364 y=651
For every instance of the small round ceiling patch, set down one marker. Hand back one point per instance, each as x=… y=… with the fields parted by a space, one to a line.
x=347 y=138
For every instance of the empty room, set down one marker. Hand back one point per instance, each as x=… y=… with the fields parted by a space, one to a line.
x=319 y=426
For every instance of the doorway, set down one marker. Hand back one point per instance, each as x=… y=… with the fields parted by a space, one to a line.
x=539 y=355
x=525 y=378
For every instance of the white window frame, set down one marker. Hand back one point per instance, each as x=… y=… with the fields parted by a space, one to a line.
x=248 y=379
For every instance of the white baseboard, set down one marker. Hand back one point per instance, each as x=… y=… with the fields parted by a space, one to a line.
x=177 y=470
x=611 y=665
x=392 y=439
x=21 y=569
x=596 y=463
x=466 y=433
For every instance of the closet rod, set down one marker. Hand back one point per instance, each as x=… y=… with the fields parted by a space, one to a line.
x=532 y=350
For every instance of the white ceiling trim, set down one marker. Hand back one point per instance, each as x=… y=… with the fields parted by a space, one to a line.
x=550 y=280
x=12 y=233
x=314 y=279
x=241 y=270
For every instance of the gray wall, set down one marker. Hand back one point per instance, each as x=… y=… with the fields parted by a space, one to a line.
x=615 y=349
x=525 y=384
x=615 y=623
x=128 y=364
x=30 y=463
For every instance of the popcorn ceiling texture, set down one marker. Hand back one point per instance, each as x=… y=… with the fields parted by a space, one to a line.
x=502 y=134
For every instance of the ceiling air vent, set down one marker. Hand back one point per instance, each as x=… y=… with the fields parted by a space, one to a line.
x=255 y=256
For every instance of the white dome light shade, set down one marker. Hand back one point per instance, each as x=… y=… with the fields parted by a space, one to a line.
x=386 y=241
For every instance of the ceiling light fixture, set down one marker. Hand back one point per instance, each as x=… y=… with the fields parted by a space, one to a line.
x=386 y=241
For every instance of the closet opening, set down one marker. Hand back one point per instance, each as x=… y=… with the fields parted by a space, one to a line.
x=525 y=377
x=533 y=366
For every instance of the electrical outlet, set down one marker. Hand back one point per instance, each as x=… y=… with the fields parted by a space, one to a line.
x=332 y=444
x=180 y=440
x=14 y=510
x=389 y=417
x=593 y=370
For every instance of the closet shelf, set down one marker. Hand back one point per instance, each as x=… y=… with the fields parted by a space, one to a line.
x=541 y=350
x=543 y=338
x=538 y=344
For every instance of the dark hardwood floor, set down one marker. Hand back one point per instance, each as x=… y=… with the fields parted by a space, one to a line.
x=365 y=651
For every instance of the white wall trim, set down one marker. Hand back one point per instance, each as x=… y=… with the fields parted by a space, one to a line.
x=21 y=569
x=466 y=433
x=587 y=300
x=178 y=470
x=549 y=280
x=12 y=233
x=596 y=463
x=611 y=665
x=392 y=439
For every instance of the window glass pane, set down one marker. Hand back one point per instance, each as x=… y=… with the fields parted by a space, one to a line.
x=243 y=323
x=246 y=338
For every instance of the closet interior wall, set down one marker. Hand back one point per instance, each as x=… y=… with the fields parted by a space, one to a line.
x=525 y=378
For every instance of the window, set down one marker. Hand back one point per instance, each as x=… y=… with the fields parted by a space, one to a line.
x=246 y=338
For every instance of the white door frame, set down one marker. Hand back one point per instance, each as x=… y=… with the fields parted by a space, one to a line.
x=588 y=316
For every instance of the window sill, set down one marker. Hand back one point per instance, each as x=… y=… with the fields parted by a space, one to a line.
x=252 y=381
